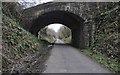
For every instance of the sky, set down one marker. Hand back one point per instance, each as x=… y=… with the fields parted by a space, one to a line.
x=36 y=2
x=55 y=27
x=42 y=1
x=39 y=1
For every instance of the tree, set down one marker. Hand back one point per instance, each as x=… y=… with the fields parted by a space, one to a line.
x=64 y=32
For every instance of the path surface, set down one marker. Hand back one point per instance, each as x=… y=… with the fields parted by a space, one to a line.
x=59 y=41
x=66 y=59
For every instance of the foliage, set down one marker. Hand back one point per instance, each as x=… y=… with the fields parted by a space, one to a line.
x=106 y=34
x=47 y=34
x=65 y=34
x=17 y=44
x=12 y=9
x=112 y=64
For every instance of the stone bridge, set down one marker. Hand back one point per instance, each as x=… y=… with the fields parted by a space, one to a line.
x=78 y=16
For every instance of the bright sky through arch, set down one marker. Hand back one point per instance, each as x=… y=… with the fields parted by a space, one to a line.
x=55 y=26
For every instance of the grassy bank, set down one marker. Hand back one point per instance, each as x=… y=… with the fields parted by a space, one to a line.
x=17 y=45
x=111 y=64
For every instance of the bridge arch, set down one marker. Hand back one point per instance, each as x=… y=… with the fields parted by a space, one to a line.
x=73 y=21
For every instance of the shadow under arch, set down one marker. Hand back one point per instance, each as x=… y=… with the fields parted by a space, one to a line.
x=72 y=21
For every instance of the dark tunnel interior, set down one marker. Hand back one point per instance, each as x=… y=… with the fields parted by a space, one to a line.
x=72 y=21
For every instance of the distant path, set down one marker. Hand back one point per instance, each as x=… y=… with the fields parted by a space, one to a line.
x=59 y=41
x=66 y=59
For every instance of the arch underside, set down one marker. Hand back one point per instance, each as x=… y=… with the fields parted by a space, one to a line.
x=72 y=21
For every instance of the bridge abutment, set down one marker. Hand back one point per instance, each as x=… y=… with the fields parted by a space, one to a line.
x=78 y=37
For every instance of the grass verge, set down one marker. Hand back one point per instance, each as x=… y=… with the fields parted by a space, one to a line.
x=18 y=46
x=111 y=64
